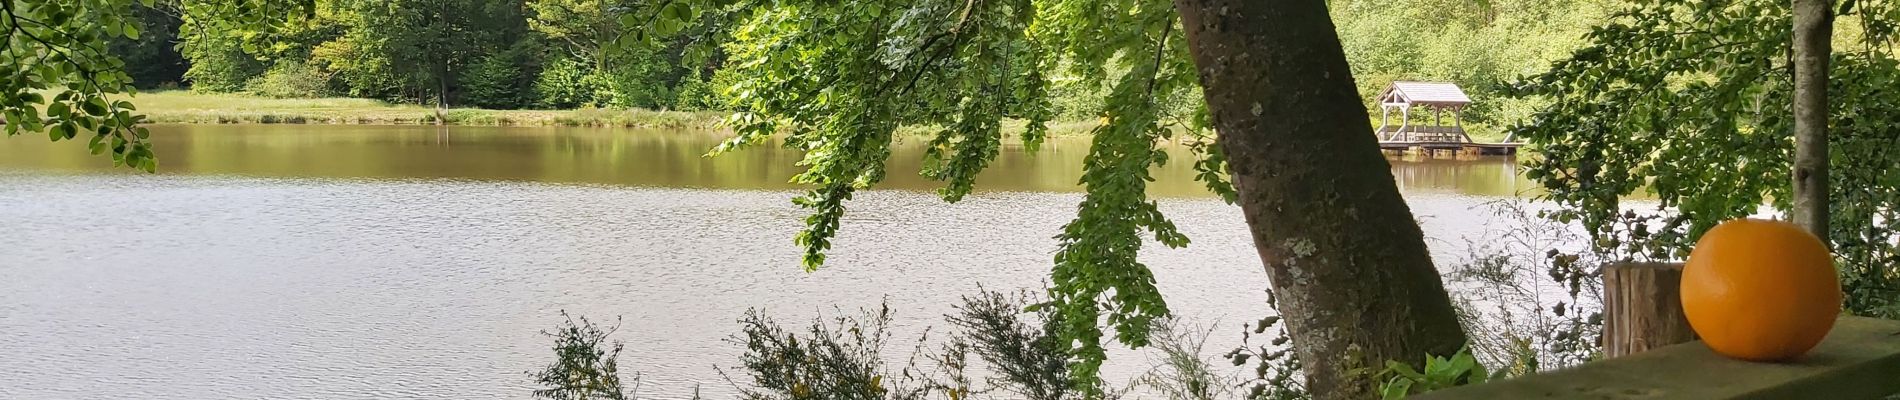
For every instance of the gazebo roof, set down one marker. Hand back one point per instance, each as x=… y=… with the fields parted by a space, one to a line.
x=1427 y=93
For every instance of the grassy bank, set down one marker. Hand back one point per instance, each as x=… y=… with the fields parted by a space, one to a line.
x=184 y=107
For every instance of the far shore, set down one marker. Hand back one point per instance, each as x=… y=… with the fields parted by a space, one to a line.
x=186 y=107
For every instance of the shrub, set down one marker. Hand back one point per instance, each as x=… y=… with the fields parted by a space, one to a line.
x=585 y=367
x=1181 y=373
x=644 y=78
x=1072 y=99
x=1528 y=297
x=707 y=93
x=493 y=82
x=1024 y=354
x=1276 y=367
x=1439 y=373
x=842 y=360
x=696 y=95
x=629 y=93
x=565 y=83
x=291 y=79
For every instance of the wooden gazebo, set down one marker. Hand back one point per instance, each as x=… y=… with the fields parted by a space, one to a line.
x=1437 y=97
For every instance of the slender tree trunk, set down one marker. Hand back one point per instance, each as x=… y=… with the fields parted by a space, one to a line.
x=441 y=99
x=1813 y=29
x=1345 y=255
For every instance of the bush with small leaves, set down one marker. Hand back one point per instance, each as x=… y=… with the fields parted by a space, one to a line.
x=1181 y=373
x=565 y=83
x=839 y=360
x=586 y=366
x=1020 y=347
x=1276 y=372
x=494 y=82
x=291 y=79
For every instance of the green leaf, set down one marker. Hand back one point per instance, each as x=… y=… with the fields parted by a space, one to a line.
x=1403 y=370
x=1396 y=388
x=679 y=11
x=666 y=27
x=97 y=146
x=95 y=106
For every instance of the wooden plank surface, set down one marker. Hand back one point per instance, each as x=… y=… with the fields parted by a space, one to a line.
x=1860 y=359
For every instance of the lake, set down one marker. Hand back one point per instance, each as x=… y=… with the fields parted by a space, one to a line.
x=372 y=262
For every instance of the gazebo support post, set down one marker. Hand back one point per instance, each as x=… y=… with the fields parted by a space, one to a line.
x=1458 y=119
x=1437 y=123
x=1405 y=122
x=1385 y=119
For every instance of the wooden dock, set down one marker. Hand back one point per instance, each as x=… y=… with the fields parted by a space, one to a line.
x=1433 y=137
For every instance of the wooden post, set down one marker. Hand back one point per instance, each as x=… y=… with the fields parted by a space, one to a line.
x=1385 y=118
x=1642 y=308
x=1405 y=121
x=1458 y=118
x=1437 y=123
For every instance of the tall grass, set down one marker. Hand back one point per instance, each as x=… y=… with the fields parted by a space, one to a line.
x=1530 y=295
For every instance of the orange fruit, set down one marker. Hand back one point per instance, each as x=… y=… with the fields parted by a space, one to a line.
x=1760 y=290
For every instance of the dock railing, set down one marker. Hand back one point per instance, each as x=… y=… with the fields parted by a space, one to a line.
x=1417 y=133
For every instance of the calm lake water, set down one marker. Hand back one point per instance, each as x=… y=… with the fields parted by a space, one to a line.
x=372 y=262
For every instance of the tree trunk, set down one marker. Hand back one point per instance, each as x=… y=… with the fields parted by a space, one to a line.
x=1813 y=28
x=1345 y=255
x=441 y=94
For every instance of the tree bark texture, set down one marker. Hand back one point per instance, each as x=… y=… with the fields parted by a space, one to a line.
x=1813 y=29
x=1345 y=255
x=1642 y=308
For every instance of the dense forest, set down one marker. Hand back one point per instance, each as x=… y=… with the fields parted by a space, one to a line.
x=562 y=54
x=498 y=54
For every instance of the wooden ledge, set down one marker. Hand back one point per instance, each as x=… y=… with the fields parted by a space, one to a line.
x=1860 y=359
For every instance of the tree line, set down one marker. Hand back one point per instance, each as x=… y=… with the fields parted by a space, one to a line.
x=561 y=54
x=498 y=54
